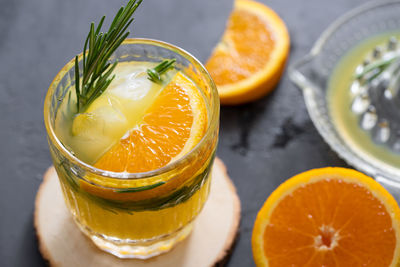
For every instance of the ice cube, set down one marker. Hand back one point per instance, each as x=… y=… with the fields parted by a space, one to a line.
x=104 y=119
x=133 y=85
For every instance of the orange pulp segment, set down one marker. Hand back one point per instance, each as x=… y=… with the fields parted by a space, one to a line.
x=328 y=217
x=249 y=60
x=171 y=127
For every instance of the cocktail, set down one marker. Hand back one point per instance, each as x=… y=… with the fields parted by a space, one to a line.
x=134 y=162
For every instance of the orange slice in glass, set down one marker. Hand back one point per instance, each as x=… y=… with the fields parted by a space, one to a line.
x=171 y=127
x=328 y=217
x=250 y=58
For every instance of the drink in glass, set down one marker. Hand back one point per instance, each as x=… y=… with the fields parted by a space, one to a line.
x=134 y=167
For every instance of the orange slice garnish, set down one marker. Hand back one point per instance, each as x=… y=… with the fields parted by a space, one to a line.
x=171 y=127
x=328 y=217
x=249 y=60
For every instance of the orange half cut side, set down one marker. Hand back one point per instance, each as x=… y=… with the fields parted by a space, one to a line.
x=328 y=217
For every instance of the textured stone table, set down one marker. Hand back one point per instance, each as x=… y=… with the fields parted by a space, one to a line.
x=262 y=143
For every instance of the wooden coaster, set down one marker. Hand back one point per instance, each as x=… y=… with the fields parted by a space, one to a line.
x=215 y=229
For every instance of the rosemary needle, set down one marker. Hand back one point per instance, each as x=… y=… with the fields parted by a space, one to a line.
x=157 y=71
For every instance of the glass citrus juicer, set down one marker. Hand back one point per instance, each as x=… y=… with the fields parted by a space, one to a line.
x=350 y=82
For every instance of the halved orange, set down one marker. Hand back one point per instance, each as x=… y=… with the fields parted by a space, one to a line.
x=172 y=126
x=250 y=58
x=328 y=217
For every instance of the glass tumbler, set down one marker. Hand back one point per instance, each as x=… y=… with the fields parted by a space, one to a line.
x=136 y=215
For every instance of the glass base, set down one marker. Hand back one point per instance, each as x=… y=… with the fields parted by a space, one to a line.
x=137 y=249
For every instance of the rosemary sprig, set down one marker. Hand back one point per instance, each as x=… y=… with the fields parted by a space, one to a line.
x=379 y=64
x=157 y=71
x=97 y=50
x=141 y=188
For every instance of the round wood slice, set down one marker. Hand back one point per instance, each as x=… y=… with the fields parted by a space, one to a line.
x=62 y=243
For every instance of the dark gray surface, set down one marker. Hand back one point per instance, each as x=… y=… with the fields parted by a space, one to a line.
x=262 y=143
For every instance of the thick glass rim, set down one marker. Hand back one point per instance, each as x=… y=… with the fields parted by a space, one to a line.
x=319 y=44
x=214 y=112
x=294 y=74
